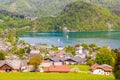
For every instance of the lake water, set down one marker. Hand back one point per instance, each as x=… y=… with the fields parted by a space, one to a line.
x=111 y=39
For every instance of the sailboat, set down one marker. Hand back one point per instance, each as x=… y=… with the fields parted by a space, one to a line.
x=67 y=36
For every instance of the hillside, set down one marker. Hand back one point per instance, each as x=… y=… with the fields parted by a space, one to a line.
x=80 y=16
x=77 y=16
x=51 y=7
x=34 y=7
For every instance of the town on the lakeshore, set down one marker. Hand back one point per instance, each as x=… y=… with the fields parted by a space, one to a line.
x=24 y=57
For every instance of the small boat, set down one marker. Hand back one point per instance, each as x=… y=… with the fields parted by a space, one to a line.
x=67 y=36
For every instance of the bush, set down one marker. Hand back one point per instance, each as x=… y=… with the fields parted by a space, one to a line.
x=2 y=55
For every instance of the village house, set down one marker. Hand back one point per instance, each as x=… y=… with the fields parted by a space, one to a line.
x=103 y=69
x=81 y=52
x=63 y=60
x=78 y=49
x=12 y=57
x=93 y=55
x=34 y=51
x=12 y=65
x=3 y=46
x=75 y=60
x=60 y=48
x=58 y=68
x=55 y=60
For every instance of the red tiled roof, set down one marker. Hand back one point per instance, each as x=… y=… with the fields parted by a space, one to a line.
x=94 y=66
x=107 y=69
x=54 y=68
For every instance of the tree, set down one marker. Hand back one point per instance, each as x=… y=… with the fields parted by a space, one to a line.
x=84 y=45
x=105 y=56
x=93 y=45
x=54 y=48
x=35 y=61
x=90 y=51
x=90 y=62
x=2 y=55
x=117 y=65
x=20 y=52
x=70 y=49
x=44 y=51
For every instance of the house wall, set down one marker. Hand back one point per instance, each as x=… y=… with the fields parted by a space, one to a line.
x=58 y=63
x=30 y=68
x=100 y=71
x=44 y=64
x=69 y=62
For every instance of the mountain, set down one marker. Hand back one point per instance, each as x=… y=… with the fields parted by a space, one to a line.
x=76 y=16
x=81 y=16
x=51 y=7
x=34 y=7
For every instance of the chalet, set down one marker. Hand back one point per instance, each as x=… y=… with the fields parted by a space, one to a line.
x=61 y=69
x=75 y=60
x=103 y=69
x=12 y=65
x=63 y=60
x=55 y=60
x=79 y=60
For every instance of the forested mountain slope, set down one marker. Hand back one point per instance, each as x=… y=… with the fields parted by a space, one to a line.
x=51 y=7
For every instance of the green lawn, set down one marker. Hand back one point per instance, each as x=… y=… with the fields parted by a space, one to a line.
x=53 y=76
x=81 y=67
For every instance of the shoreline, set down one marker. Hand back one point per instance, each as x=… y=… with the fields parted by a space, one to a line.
x=74 y=31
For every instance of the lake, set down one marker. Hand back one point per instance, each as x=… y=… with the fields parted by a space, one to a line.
x=111 y=39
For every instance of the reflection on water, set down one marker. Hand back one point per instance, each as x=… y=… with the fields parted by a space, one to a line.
x=111 y=39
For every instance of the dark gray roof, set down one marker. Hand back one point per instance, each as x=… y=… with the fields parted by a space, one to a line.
x=78 y=59
x=63 y=59
x=55 y=59
x=74 y=59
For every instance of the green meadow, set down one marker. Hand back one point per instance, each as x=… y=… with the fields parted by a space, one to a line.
x=81 y=67
x=53 y=76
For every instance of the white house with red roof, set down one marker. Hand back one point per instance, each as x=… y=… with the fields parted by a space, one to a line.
x=103 y=69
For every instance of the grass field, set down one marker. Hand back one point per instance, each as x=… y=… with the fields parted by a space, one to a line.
x=81 y=67
x=53 y=76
